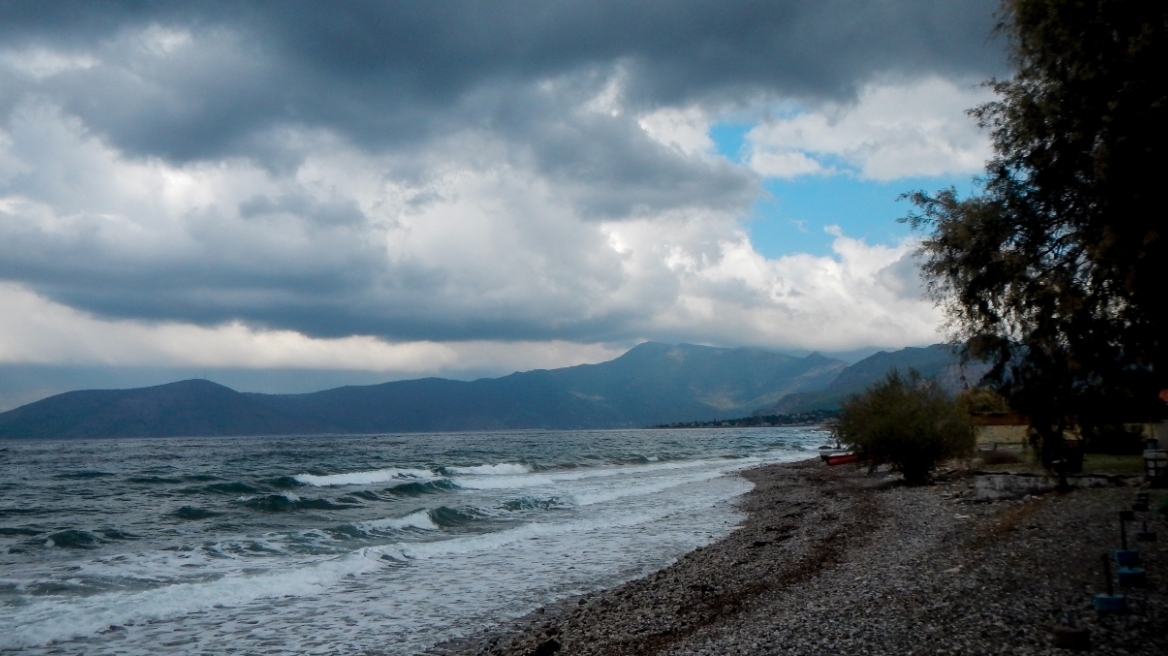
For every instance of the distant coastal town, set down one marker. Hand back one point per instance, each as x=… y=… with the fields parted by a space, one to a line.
x=813 y=418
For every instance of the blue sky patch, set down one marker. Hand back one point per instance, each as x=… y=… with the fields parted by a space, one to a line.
x=730 y=138
x=793 y=218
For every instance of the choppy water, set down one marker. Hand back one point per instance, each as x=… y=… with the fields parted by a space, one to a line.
x=311 y=545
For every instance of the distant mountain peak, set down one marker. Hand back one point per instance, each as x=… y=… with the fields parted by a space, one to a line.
x=195 y=383
x=940 y=361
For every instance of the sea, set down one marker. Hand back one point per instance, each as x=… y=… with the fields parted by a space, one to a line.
x=371 y=544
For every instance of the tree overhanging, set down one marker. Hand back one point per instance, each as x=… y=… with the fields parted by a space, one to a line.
x=1057 y=271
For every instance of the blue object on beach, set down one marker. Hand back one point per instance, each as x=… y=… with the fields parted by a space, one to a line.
x=1132 y=577
x=1127 y=557
x=1110 y=603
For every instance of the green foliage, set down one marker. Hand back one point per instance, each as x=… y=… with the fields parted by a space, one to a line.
x=909 y=423
x=982 y=400
x=1057 y=272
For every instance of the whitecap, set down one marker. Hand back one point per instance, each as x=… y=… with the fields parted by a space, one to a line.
x=366 y=477
x=502 y=469
x=419 y=519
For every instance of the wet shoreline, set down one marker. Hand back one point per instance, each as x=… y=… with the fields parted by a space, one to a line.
x=840 y=561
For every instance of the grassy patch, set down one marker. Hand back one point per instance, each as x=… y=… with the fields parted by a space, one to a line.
x=1101 y=463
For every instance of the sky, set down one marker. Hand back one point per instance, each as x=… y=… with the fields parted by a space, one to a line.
x=285 y=196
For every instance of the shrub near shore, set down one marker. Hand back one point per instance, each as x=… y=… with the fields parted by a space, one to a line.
x=907 y=422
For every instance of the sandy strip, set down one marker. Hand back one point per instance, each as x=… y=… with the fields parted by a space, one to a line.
x=838 y=561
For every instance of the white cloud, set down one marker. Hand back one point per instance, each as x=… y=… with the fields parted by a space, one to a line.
x=41 y=63
x=785 y=164
x=687 y=130
x=893 y=130
x=726 y=292
x=459 y=254
x=160 y=41
x=387 y=242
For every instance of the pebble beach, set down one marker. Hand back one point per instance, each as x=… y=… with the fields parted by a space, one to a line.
x=842 y=561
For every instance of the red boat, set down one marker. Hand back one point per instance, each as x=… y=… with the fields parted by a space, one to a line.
x=841 y=459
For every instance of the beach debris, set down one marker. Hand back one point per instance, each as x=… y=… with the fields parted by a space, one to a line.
x=1146 y=535
x=1070 y=636
x=1141 y=502
x=1132 y=577
x=1125 y=557
x=1109 y=602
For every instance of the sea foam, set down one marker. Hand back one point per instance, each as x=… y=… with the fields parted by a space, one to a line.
x=502 y=469
x=419 y=519
x=366 y=477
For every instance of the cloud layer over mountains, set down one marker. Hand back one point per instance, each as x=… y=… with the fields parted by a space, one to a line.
x=417 y=186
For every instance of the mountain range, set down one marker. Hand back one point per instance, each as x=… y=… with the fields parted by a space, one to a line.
x=939 y=361
x=652 y=383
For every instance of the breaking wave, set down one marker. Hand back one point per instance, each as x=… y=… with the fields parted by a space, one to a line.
x=502 y=469
x=364 y=477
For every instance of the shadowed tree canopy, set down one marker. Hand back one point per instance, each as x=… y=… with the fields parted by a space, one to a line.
x=1057 y=271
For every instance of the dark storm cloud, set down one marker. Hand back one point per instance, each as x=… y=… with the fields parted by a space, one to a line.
x=337 y=212
x=609 y=165
x=389 y=72
x=137 y=94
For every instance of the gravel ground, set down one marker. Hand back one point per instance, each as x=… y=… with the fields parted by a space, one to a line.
x=839 y=561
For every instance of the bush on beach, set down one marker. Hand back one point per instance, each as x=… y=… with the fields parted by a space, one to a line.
x=907 y=422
